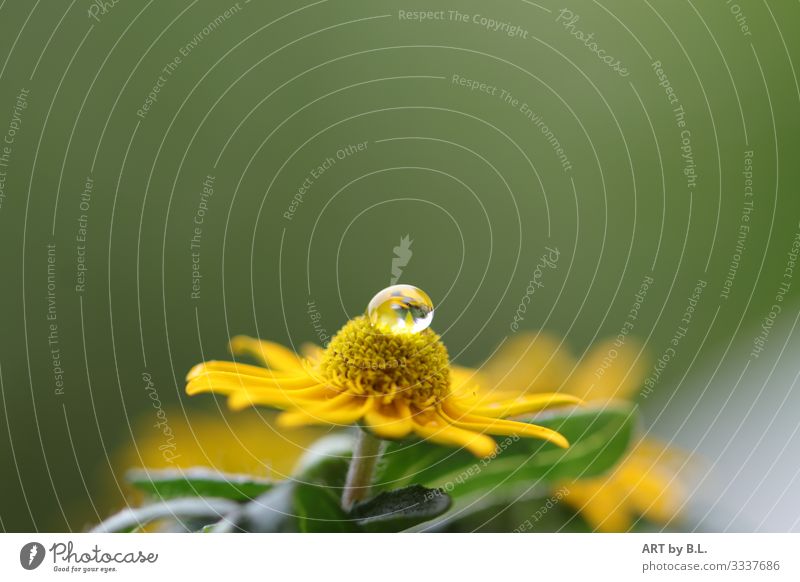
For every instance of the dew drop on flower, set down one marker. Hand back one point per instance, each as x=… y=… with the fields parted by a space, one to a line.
x=401 y=309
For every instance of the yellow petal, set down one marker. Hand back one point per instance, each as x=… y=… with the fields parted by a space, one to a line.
x=237 y=368
x=276 y=398
x=643 y=483
x=312 y=351
x=529 y=363
x=653 y=494
x=444 y=433
x=228 y=382
x=238 y=443
x=519 y=405
x=272 y=355
x=389 y=421
x=466 y=381
x=498 y=426
x=343 y=409
x=649 y=474
x=609 y=371
x=601 y=503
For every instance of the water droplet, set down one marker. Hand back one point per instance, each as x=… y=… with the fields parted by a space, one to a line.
x=401 y=309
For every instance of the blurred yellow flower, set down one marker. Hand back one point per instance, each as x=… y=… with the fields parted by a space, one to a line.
x=644 y=482
x=395 y=384
x=246 y=444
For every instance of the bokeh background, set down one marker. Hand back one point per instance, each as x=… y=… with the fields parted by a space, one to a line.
x=116 y=290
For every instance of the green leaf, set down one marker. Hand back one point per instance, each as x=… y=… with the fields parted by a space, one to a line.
x=326 y=461
x=197 y=482
x=173 y=509
x=400 y=509
x=271 y=512
x=336 y=447
x=327 y=471
x=318 y=509
x=291 y=506
x=598 y=437
x=534 y=514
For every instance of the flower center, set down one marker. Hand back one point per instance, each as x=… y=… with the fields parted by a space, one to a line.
x=366 y=360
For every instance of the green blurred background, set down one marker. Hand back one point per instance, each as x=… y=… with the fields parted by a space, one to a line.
x=266 y=92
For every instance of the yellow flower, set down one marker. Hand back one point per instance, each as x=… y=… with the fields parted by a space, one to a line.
x=246 y=444
x=644 y=482
x=394 y=384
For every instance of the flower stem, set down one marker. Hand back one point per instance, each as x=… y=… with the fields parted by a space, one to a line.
x=366 y=453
